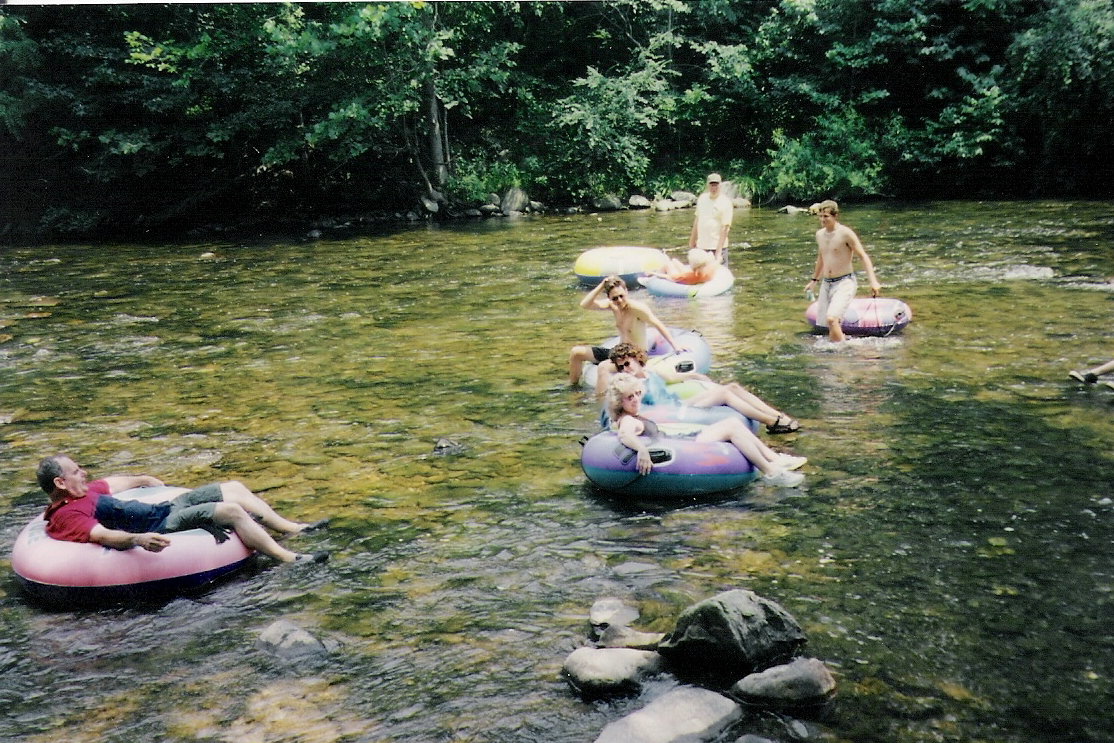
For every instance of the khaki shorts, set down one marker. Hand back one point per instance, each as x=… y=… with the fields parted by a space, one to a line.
x=835 y=298
x=193 y=509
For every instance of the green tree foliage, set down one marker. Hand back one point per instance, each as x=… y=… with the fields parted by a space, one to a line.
x=1062 y=94
x=133 y=117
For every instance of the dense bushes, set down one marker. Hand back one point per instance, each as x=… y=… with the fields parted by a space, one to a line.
x=140 y=117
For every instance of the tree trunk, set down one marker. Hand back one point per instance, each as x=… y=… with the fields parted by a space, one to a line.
x=436 y=137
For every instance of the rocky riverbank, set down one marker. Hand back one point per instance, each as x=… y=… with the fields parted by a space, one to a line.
x=730 y=663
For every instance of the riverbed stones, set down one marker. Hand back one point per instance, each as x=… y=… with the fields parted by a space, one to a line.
x=803 y=682
x=683 y=715
x=733 y=633
x=514 y=200
x=287 y=641
x=619 y=636
x=444 y=447
x=607 y=203
x=610 y=611
x=685 y=198
x=598 y=672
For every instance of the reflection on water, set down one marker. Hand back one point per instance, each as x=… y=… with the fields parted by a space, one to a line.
x=953 y=535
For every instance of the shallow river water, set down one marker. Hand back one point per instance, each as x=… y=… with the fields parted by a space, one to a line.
x=949 y=556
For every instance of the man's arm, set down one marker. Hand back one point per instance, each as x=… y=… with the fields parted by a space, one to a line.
x=116 y=483
x=593 y=301
x=817 y=270
x=724 y=230
x=857 y=249
x=123 y=540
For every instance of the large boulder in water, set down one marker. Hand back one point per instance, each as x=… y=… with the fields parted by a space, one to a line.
x=732 y=634
x=514 y=200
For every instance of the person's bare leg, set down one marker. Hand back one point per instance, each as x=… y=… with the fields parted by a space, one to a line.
x=236 y=492
x=735 y=431
x=720 y=395
x=603 y=376
x=835 y=330
x=577 y=357
x=757 y=402
x=254 y=536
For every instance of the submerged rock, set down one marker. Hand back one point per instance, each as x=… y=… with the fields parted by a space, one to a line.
x=610 y=611
x=618 y=636
x=684 y=715
x=805 y=681
x=610 y=671
x=444 y=447
x=287 y=641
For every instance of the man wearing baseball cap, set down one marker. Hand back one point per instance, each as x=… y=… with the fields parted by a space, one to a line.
x=713 y=219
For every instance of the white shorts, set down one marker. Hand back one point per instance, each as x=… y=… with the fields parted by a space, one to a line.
x=835 y=297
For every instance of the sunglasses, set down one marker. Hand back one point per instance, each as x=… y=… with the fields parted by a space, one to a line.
x=621 y=365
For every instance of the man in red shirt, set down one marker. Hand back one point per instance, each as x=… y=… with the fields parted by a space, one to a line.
x=82 y=511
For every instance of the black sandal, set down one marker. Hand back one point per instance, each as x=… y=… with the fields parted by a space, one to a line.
x=778 y=427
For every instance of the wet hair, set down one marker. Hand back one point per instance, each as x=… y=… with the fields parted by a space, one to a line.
x=49 y=468
x=623 y=350
x=610 y=283
x=828 y=206
x=621 y=384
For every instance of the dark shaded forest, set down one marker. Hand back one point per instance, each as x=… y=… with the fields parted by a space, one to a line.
x=135 y=119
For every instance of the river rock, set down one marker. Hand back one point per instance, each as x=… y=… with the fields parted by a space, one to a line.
x=686 y=714
x=666 y=205
x=638 y=201
x=685 y=198
x=445 y=447
x=608 y=203
x=489 y=209
x=608 y=611
x=618 y=636
x=514 y=200
x=287 y=641
x=609 y=671
x=733 y=633
x=805 y=681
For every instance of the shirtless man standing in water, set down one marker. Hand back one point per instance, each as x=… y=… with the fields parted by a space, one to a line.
x=631 y=319
x=837 y=245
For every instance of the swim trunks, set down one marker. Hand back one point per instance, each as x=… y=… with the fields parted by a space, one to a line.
x=835 y=297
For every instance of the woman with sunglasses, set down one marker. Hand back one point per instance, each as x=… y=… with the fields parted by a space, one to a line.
x=631 y=359
x=624 y=403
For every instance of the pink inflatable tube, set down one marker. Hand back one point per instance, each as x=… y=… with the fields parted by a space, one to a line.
x=83 y=573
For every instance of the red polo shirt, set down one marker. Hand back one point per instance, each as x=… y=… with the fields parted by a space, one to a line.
x=72 y=519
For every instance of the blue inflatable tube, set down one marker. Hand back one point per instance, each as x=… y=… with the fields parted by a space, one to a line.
x=683 y=467
x=720 y=283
